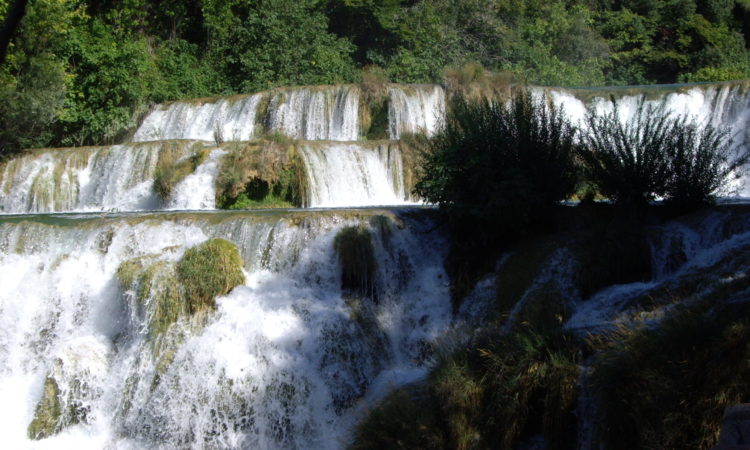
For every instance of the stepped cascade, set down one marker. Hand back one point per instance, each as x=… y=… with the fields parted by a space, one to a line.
x=110 y=337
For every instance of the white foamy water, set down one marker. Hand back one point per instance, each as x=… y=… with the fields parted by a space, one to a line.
x=415 y=109
x=286 y=361
x=225 y=119
x=118 y=177
x=330 y=113
x=198 y=191
x=354 y=174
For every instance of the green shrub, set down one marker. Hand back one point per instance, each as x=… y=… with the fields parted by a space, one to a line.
x=656 y=154
x=627 y=160
x=701 y=162
x=495 y=169
x=208 y=270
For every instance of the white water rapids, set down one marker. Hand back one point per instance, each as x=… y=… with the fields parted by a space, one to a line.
x=286 y=361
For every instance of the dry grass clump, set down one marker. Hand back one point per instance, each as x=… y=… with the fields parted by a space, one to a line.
x=472 y=81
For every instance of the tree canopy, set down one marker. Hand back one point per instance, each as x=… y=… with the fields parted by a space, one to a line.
x=80 y=72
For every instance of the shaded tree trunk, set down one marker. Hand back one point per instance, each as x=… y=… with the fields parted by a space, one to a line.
x=12 y=20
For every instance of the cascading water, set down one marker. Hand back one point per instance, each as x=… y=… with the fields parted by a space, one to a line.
x=316 y=114
x=726 y=106
x=355 y=174
x=285 y=361
x=291 y=357
x=415 y=109
x=118 y=177
x=230 y=119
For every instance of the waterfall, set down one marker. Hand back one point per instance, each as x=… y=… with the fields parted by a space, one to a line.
x=315 y=113
x=354 y=174
x=285 y=361
x=415 y=109
x=118 y=177
x=228 y=119
x=725 y=106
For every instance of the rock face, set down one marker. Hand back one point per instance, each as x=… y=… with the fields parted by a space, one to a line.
x=735 y=428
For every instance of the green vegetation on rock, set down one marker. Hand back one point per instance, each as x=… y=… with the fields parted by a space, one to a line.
x=48 y=412
x=171 y=169
x=267 y=173
x=208 y=270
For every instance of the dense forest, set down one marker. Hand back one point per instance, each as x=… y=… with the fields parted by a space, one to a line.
x=81 y=72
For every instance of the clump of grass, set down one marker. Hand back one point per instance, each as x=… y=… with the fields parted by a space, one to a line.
x=357 y=259
x=407 y=418
x=531 y=381
x=472 y=80
x=499 y=391
x=208 y=270
x=171 y=169
x=667 y=386
x=262 y=173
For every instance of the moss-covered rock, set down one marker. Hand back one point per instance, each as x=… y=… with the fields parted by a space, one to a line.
x=266 y=173
x=166 y=291
x=48 y=412
x=357 y=259
x=171 y=169
x=208 y=270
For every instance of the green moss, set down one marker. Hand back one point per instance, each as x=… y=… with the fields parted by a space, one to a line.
x=267 y=172
x=357 y=259
x=208 y=270
x=157 y=291
x=48 y=413
x=170 y=169
x=374 y=120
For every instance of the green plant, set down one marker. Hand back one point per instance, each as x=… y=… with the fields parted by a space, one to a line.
x=208 y=270
x=666 y=386
x=495 y=169
x=654 y=153
x=701 y=161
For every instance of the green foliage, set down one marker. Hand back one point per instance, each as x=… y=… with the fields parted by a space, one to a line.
x=356 y=255
x=491 y=161
x=274 y=43
x=112 y=77
x=667 y=386
x=261 y=174
x=208 y=270
x=495 y=169
x=655 y=154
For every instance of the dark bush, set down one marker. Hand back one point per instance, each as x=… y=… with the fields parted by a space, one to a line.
x=495 y=168
x=655 y=154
